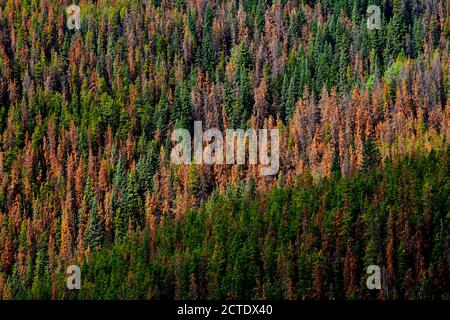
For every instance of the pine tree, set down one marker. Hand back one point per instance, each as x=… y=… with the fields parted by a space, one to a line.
x=94 y=233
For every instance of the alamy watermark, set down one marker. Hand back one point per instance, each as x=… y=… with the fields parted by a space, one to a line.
x=73 y=17
x=374 y=19
x=374 y=280
x=74 y=277
x=232 y=151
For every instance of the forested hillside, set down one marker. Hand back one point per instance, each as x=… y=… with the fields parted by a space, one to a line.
x=86 y=178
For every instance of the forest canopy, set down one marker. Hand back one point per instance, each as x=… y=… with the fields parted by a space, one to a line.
x=86 y=178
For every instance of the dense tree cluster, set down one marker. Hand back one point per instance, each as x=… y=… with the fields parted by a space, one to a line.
x=86 y=177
